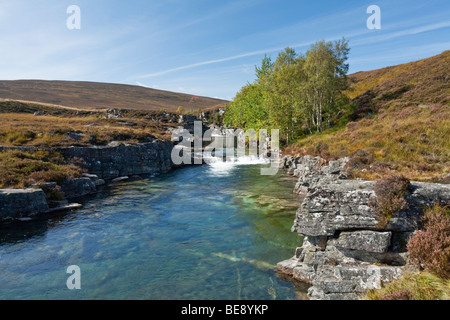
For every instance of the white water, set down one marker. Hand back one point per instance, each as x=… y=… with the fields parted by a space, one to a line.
x=221 y=166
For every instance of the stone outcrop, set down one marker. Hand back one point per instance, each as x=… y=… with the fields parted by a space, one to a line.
x=313 y=171
x=18 y=203
x=80 y=187
x=344 y=251
x=119 y=159
x=113 y=162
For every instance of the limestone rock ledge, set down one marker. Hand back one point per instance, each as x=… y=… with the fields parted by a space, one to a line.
x=110 y=162
x=119 y=159
x=344 y=252
x=18 y=203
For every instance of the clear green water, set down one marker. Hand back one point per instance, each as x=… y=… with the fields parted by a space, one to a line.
x=194 y=233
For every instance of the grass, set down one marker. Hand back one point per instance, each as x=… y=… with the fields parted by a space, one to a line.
x=24 y=129
x=407 y=139
x=60 y=127
x=22 y=169
x=413 y=286
x=422 y=81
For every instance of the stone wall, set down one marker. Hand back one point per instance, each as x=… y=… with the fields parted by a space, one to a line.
x=344 y=252
x=119 y=159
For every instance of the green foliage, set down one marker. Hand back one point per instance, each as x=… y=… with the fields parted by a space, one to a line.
x=296 y=93
x=247 y=110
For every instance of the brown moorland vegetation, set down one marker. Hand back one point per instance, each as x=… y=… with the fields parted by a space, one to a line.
x=401 y=124
x=425 y=81
x=43 y=126
x=67 y=129
x=429 y=250
x=21 y=169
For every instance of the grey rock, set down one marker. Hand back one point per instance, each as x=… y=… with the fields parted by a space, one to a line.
x=350 y=281
x=400 y=241
x=118 y=159
x=287 y=266
x=119 y=179
x=345 y=252
x=50 y=185
x=313 y=171
x=80 y=187
x=345 y=205
x=18 y=203
x=304 y=272
x=366 y=240
x=75 y=135
x=342 y=255
x=338 y=206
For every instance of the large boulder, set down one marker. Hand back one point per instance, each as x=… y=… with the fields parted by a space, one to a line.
x=19 y=203
x=343 y=205
x=119 y=159
x=80 y=187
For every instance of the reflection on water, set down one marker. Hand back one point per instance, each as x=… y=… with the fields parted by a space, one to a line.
x=201 y=232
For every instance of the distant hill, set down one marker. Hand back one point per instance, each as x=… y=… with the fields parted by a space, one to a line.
x=424 y=81
x=95 y=95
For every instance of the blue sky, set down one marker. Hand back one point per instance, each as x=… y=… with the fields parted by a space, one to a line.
x=205 y=47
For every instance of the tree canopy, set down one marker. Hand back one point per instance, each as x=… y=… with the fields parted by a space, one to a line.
x=296 y=93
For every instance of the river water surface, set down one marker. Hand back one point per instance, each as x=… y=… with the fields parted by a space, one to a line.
x=200 y=232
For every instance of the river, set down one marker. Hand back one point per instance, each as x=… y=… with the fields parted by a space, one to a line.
x=205 y=232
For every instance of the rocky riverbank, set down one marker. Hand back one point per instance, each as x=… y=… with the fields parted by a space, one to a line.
x=111 y=163
x=345 y=252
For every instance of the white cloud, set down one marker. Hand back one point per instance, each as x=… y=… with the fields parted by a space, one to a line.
x=402 y=33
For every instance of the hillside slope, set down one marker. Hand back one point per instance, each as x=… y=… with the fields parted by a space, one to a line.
x=425 y=81
x=94 y=95
x=401 y=124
